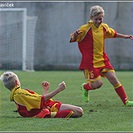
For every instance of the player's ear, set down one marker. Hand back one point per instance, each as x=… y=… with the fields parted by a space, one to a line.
x=16 y=82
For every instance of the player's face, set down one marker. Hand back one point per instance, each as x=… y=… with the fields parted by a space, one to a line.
x=97 y=20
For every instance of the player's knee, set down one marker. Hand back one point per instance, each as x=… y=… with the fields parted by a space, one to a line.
x=97 y=84
x=100 y=84
x=78 y=112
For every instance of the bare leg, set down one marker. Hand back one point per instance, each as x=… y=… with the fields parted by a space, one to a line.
x=111 y=76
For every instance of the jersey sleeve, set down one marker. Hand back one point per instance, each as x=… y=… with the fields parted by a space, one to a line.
x=84 y=29
x=28 y=99
x=81 y=36
x=109 y=32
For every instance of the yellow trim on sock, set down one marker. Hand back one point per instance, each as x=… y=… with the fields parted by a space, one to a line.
x=117 y=85
x=70 y=114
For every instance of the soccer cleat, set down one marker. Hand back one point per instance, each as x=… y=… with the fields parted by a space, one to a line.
x=129 y=103
x=85 y=95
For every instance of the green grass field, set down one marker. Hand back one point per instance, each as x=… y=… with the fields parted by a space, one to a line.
x=104 y=112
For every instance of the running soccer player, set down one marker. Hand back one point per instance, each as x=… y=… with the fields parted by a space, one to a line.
x=31 y=104
x=95 y=62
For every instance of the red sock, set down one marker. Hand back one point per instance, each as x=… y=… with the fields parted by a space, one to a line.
x=122 y=94
x=63 y=114
x=87 y=86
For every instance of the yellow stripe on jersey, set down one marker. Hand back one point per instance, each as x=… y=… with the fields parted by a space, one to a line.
x=98 y=47
x=97 y=36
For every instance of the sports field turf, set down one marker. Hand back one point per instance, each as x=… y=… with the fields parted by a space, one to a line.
x=104 y=112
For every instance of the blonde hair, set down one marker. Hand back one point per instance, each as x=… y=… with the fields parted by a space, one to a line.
x=96 y=10
x=8 y=79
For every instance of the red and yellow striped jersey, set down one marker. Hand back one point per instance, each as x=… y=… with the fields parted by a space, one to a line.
x=91 y=44
x=31 y=100
x=30 y=104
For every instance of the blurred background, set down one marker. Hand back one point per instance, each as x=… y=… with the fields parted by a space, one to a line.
x=35 y=35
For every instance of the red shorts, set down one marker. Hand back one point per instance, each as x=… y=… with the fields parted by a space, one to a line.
x=52 y=105
x=93 y=74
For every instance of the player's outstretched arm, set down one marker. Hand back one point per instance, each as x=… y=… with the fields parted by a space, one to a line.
x=60 y=88
x=74 y=35
x=118 y=35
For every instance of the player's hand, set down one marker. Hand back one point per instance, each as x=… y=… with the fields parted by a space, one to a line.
x=45 y=85
x=76 y=33
x=129 y=37
x=62 y=86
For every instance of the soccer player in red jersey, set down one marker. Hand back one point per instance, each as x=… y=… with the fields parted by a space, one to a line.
x=95 y=62
x=31 y=104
